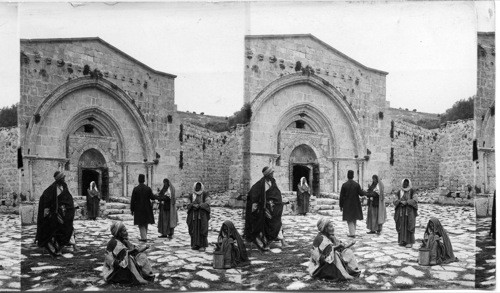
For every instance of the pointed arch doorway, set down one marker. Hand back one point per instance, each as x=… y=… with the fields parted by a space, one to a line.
x=304 y=163
x=92 y=167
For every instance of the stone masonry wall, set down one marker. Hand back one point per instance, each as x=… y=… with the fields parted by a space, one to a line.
x=206 y=157
x=456 y=165
x=484 y=114
x=268 y=58
x=9 y=179
x=50 y=63
x=415 y=155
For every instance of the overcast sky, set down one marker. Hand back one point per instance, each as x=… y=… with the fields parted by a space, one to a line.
x=428 y=48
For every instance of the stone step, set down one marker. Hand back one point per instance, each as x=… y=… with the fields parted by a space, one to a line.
x=121 y=217
x=327 y=201
x=117 y=205
x=329 y=195
x=325 y=207
x=120 y=199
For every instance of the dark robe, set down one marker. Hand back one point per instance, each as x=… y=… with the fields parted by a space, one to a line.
x=167 y=220
x=266 y=219
x=405 y=216
x=303 y=196
x=232 y=246
x=57 y=226
x=141 y=206
x=349 y=201
x=197 y=219
x=437 y=241
x=93 y=199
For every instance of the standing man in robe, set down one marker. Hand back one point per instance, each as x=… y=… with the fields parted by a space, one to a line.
x=167 y=220
x=141 y=207
x=405 y=214
x=263 y=212
x=349 y=203
x=56 y=212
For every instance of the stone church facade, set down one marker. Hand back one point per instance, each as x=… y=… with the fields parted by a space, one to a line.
x=316 y=113
x=97 y=114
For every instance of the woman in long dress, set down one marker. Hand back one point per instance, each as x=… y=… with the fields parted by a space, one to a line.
x=232 y=246
x=437 y=241
x=330 y=257
x=197 y=217
x=124 y=262
x=303 y=195
x=405 y=214
x=167 y=220
x=93 y=199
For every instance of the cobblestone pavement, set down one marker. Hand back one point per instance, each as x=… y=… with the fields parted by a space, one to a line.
x=10 y=241
x=485 y=256
x=384 y=264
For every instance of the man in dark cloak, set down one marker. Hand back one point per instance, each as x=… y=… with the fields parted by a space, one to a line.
x=263 y=211
x=56 y=212
x=349 y=203
x=141 y=207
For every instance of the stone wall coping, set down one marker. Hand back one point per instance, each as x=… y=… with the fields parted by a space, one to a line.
x=486 y=33
x=312 y=37
x=99 y=40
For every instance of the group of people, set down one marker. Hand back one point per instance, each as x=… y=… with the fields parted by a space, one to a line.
x=330 y=257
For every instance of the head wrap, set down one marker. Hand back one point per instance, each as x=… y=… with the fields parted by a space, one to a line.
x=303 y=181
x=116 y=227
x=409 y=184
x=93 y=186
x=201 y=189
x=59 y=175
x=322 y=223
x=267 y=170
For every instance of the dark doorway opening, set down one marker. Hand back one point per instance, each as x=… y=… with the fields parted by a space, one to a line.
x=300 y=171
x=89 y=175
x=315 y=180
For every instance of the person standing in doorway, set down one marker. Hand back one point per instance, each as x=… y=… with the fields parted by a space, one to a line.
x=141 y=208
x=93 y=198
x=303 y=195
x=350 y=204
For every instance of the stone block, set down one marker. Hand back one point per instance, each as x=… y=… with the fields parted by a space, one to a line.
x=27 y=212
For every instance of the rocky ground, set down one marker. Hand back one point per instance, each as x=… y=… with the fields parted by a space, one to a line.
x=384 y=264
x=10 y=240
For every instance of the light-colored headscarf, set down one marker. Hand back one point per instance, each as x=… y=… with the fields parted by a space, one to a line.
x=303 y=181
x=116 y=227
x=93 y=186
x=409 y=184
x=323 y=223
x=195 y=193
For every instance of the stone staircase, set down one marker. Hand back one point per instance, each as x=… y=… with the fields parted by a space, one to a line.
x=118 y=208
x=326 y=204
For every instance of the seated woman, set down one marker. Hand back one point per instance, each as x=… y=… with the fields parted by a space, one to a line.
x=125 y=263
x=437 y=241
x=330 y=257
x=232 y=246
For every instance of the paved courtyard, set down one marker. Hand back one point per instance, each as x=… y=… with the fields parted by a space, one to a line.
x=10 y=240
x=384 y=264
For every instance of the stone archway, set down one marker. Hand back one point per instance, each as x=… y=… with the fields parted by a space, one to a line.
x=92 y=167
x=303 y=162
